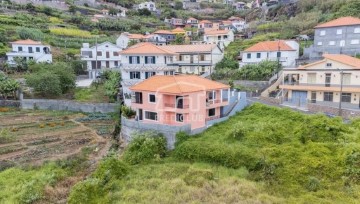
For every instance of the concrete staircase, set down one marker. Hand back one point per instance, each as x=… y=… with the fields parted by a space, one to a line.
x=274 y=85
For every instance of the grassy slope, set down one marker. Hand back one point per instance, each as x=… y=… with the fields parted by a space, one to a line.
x=262 y=155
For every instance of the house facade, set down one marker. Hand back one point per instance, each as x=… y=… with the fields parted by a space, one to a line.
x=156 y=39
x=285 y=51
x=179 y=100
x=99 y=57
x=195 y=59
x=142 y=61
x=193 y=22
x=238 y=24
x=125 y=38
x=29 y=50
x=320 y=82
x=151 y=6
x=220 y=37
x=339 y=36
x=168 y=35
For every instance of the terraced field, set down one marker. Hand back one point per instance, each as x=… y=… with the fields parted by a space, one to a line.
x=31 y=137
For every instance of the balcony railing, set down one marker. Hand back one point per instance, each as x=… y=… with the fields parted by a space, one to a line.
x=211 y=102
x=320 y=84
x=179 y=106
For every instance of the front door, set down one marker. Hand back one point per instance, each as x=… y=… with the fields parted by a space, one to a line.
x=140 y=114
x=313 y=97
x=299 y=98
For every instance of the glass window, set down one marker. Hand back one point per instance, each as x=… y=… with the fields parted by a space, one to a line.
x=354 y=42
x=322 y=33
x=150 y=115
x=212 y=112
x=278 y=54
x=134 y=75
x=331 y=42
x=150 y=60
x=37 y=49
x=258 y=55
x=20 y=49
x=357 y=30
x=116 y=54
x=116 y=63
x=99 y=53
x=152 y=98
x=346 y=97
x=339 y=31
x=179 y=117
x=328 y=64
x=249 y=55
x=319 y=43
x=328 y=96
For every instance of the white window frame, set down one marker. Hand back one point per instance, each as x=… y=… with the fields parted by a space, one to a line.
x=146 y=111
x=332 y=43
x=319 y=43
x=339 y=32
x=151 y=94
x=322 y=32
x=355 y=42
x=357 y=30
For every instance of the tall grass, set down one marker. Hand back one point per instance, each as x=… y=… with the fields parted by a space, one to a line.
x=70 y=32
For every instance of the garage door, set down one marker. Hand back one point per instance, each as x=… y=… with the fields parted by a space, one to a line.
x=299 y=98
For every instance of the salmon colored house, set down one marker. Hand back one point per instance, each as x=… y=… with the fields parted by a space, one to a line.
x=179 y=100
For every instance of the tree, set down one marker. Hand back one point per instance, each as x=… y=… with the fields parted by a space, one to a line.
x=8 y=86
x=113 y=11
x=228 y=63
x=30 y=7
x=112 y=84
x=45 y=83
x=72 y=8
x=178 y=5
x=144 y=12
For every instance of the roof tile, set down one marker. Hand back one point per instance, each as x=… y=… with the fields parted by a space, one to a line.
x=268 y=46
x=344 y=21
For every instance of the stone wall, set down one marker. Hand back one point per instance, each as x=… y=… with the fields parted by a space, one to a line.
x=276 y=101
x=131 y=126
x=347 y=114
x=44 y=104
x=10 y=103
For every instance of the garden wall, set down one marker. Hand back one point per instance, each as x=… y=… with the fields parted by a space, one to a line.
x=347 y=114
x=10 y=103
x=45 y=104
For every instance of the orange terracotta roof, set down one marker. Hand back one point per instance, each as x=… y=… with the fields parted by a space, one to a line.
x=136 y=36
x=27 y=42
x=177 y=84
x=190 y=48
x=268 y=46
x=205 y=21
x=344 y=21
x=146 y=48
x=233 y=18
x=227 y=22
x=217 y=32
x=345 y=59
x=191 y=19
x=163 y=32
x=178 y=30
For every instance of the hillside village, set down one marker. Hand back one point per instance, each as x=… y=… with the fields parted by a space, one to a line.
x=191 y=85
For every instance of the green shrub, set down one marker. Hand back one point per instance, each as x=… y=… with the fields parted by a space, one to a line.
x=111 y=168
x=127 y=112
x=197 y=177
x=181 y=137
x=313 y=184
x=145 y=147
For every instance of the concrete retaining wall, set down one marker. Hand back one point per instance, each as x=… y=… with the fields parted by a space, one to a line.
x=347 y=114
x=10 y=103
x=44 y=104
x=276 y=101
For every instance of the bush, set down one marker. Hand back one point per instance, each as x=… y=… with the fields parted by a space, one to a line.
x=45 y=83
x=111 y=168
x=145 y=147
x=127 y=112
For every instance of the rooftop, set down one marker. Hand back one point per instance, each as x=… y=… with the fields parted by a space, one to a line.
x=268 y=46
x=177 y=30
x=136 y=36
x=345 y=59
x=163 y=32
x=190 y=48
x=217 y=32
x=146 y=48
x=177 y=84
x=27 y=42
x=344 y=21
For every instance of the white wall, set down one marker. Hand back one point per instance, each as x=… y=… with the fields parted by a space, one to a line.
x=37 y=56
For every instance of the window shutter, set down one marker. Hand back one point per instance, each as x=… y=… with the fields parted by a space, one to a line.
x=146 y=60
x=138 y=59
x=130 y=60
x=154 y=60
x=131 y=75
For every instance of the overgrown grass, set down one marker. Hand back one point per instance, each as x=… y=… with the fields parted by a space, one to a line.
x=94 y=94
x=70 y=32
x=261 y=155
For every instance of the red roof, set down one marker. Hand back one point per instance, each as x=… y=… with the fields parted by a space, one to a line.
x=27 y=42
x=269 y=46
x=344 y=21
x=147 y=48
x=177 y=84
x=163 y=32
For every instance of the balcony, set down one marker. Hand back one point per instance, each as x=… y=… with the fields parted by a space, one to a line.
x=319 y=87
x=212 y=118
x=178 y=106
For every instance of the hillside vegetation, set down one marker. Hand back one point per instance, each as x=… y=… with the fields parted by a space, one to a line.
x=261 y=155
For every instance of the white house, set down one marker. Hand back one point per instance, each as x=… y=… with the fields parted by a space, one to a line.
x=147 y=5
x=100 y=57
x=29 y=50
x=239 y=24
x=155 y=39
x=286 y=51
x=221 y=37
x=123 y=40
x=195 y=59
x=142 y=61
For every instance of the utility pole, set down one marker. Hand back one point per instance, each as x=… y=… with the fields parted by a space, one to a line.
x=96 y=59
x=341 y=90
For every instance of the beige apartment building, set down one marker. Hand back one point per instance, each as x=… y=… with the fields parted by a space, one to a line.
x=320 y=82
